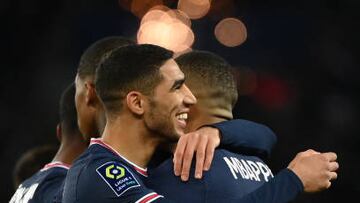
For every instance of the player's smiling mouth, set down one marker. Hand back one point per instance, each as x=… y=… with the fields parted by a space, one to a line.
x=181 y=118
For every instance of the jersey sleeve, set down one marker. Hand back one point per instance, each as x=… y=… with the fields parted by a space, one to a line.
x=112 y=181
x=243 y=136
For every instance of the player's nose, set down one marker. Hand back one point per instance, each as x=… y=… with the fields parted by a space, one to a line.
x=189 y=99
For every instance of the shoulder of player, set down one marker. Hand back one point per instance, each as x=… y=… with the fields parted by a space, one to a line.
x=221 y=153
x=87 y=162
x=45 y=176
x=89 y=166
x=54 y=173
x=42 y=186
x=105 y=178
x=31 y=180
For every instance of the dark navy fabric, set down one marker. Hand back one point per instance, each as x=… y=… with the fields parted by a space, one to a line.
x=59 y=194
x=246 y=137
x=284 y=187
x=246 y=134
x=236 y=176
x=232 y=178
x=102 y=175
x=41 y=187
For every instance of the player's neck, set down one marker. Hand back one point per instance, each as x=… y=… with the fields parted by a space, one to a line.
x=206 y=113
x=204 y=119
x=100 y=120
x=70 y=150
x=131 y=140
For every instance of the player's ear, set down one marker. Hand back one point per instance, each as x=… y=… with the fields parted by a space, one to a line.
x=135 y=102
x=90 y=96
x=58 y=132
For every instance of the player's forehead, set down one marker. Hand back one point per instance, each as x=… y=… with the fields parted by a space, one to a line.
x=171 y=71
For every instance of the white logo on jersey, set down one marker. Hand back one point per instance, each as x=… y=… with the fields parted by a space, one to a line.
x=248 y=169
x=24 y=194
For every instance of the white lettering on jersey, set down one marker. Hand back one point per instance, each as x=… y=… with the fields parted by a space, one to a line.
x=255 y=169
x=24 y=194
x=243 y=171
x=233 y=167
x=265 y=170
x=248 y=169
x=251 y=173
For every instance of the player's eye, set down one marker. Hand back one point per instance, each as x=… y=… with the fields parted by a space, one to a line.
x=178 y=86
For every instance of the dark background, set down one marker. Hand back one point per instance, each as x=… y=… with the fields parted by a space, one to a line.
x=298 y=73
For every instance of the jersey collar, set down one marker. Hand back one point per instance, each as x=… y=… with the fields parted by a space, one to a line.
x=99 y=141
x=54 y=164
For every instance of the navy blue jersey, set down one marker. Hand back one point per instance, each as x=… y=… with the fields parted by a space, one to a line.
x=42 y=186
x=233 y=177
x=100 y=174
x=58 y=196
x=230 y=179
x=246 y=137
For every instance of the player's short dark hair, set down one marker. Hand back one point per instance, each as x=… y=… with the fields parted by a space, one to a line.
x=92 y=56
x=67 y=112
x=210 y=72
x=31 y=162
x=129 y=68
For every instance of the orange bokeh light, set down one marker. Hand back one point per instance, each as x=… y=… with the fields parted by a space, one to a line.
x=166 y=15
x=185 y=49
x=160 y=7
x=195 y=9
x=141 y=7
x=180 y=15
x=174 y=35
x=170 y=29
x=154 y=15
x=231 y=32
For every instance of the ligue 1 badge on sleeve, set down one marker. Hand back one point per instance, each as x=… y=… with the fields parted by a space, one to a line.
x=117 y=176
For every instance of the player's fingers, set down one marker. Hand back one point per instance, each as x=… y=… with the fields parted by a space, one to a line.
x=178 y=154
x=210 y=150
x=187 y=158
x=333 y=166
x=309 y=152
x=330 y=156
x=328 y=184
x=200 y=156
x=333 y=175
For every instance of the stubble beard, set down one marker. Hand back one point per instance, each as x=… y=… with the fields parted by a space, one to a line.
x=161 y=125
